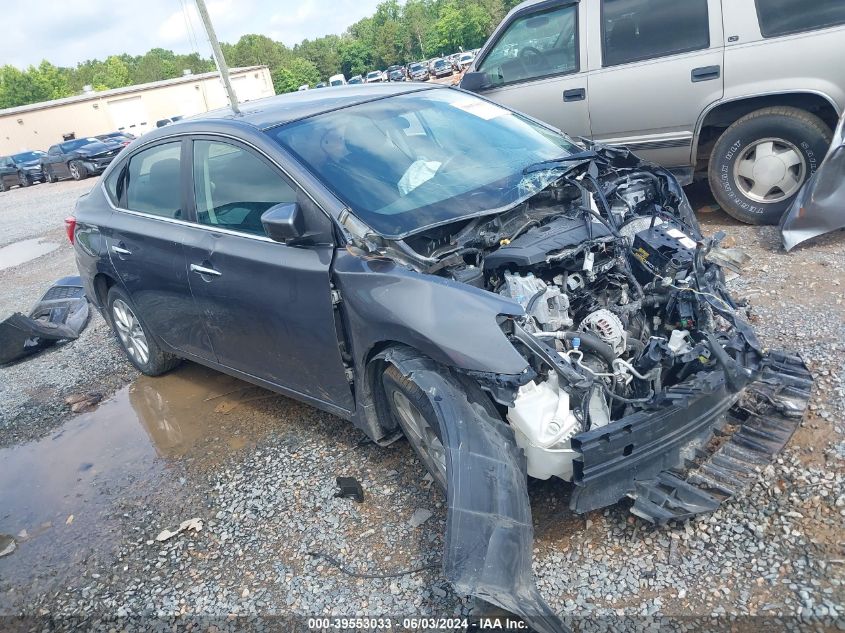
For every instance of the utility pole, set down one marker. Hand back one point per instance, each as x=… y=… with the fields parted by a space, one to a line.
x=219 y=60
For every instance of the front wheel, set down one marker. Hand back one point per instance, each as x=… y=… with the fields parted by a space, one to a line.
x=77 y=170
x=48 y=177
x=761 y=162
x=140 y=347
x=411 y=409
x=24 y=181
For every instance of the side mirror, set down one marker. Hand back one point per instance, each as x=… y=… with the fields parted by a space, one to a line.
x=476 y=81
x=284 y=222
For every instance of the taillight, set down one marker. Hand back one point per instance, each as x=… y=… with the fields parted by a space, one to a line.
x=70 y=227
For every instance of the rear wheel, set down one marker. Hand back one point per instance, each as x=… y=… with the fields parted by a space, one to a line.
x=413 y=412
x=141 y=348
x=77 y=170
x=761 y=162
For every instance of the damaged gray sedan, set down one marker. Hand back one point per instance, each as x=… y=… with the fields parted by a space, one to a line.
x=425 y=263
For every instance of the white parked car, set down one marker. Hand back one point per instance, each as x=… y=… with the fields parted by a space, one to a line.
x=374 y=77
x=337 y=80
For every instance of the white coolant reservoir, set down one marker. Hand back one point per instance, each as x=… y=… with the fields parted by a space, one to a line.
x=543 y=425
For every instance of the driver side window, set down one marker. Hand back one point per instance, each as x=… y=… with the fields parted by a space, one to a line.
x=233 y=187
x=535 y=46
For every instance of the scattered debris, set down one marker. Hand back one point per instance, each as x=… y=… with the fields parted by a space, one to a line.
x=7 y=545
x=194 y=524
x=420 y=516
x=61 y=314
x=69 y=520
x=349 y=489
x=81 y=402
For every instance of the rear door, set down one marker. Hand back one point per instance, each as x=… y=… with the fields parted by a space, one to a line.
x=54 y=161
x=145 y=238
x=537 y=64
x=267 y=306
x=655 y=66
x=8 y=172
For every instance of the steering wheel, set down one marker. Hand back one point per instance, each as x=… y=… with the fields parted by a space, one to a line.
x=529 y=55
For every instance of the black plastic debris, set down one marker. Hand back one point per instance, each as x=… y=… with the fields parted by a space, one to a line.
x=349 y=489
x=61 y=314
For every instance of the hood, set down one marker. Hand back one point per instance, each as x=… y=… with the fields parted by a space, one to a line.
x=98 y=148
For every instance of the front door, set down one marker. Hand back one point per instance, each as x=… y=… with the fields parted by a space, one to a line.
x=655 y=66
x=537 y=65
x=267 y=306
x=145 y=238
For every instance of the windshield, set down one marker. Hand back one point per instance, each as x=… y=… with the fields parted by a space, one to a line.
x=416 y=67
x=76 y=144
x=375 y=73
x=25 y=157
x=424 y=158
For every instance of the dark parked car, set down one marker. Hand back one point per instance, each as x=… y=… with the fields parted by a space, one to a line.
x=419 y=260
x=441 y=68
x=390 y=70
x=124 y=138
x=418 y=72
x=79 y=158
x=21 y=169
x=396 y=75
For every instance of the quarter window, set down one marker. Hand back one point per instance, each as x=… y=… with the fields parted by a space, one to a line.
x=535 y=46
x=782 y=17
x=634 y=30
x=153 y=181
x=233 y=187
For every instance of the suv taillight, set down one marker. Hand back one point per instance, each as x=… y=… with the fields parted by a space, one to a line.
x=70 y=227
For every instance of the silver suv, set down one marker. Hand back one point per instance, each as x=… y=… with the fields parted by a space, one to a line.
x=743 y=92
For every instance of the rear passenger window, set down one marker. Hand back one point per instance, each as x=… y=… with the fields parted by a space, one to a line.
x=782 y=17
x=535 y=46
x=233 y=187
x=153 y=181
x=633 y=30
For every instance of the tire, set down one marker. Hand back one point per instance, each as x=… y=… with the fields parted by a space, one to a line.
x=77 y=170
x=23 y=179
x=48 y=177
x=423 y=433
x=2 y=185
x=760 y=162
x=134 y=337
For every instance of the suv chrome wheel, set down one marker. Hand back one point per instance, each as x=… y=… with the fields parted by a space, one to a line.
x=129 y=330
x=421 y=434
x=770 y=170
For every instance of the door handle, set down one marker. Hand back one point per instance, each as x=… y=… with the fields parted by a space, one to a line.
x=576 y=94
x=120 y=250
x=202 y=270
x=706 y=73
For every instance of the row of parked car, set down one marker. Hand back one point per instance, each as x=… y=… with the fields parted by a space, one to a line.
x=76 y=158
x=436 y=67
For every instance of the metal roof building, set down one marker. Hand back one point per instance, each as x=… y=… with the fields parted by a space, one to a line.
x=134 y=109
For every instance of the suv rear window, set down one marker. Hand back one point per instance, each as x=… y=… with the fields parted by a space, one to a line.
x=782 y=17
x=634 y=30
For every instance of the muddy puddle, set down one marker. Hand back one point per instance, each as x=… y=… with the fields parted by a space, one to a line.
x=24 y=251
x=61 y=496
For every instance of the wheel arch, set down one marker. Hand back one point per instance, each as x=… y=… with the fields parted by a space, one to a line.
x=102 y=284
x=721 y=115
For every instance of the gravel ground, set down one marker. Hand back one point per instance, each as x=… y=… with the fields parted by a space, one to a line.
x=267 y=500
x=33 y=391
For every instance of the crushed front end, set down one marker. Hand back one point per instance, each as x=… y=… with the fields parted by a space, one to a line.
x=638 y=354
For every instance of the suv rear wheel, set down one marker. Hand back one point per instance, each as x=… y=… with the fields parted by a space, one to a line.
x=761 y=161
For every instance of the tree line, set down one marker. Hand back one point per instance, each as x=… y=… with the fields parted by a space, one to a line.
x=395 y=34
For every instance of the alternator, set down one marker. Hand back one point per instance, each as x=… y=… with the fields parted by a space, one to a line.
x=608 y=327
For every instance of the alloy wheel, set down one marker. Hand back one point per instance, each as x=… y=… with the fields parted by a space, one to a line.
x=130 y=331
x=770 y=170
x=421 y=435
x=74 y=171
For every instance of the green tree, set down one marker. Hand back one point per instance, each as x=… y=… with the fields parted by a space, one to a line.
x=296 y=72
x=113 y=73
x=41 y=83
x=256 y=50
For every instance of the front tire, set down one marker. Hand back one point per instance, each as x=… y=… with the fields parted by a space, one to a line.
x=48 y=177
x=138 y=344
x=409 y=406
x=23 y=179
x=760 y=162
x=77 y=170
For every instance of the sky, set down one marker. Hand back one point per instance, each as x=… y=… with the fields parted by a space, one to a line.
x=66 y=32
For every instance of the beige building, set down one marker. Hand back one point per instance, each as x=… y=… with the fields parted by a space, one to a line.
x=134 y=109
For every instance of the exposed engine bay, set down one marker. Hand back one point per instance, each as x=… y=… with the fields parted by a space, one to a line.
x=615 y=280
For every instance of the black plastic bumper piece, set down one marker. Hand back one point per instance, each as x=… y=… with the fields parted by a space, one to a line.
x=489 y=532
x=642 y=456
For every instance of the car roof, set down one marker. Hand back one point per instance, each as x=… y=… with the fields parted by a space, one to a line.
x=275 y=111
